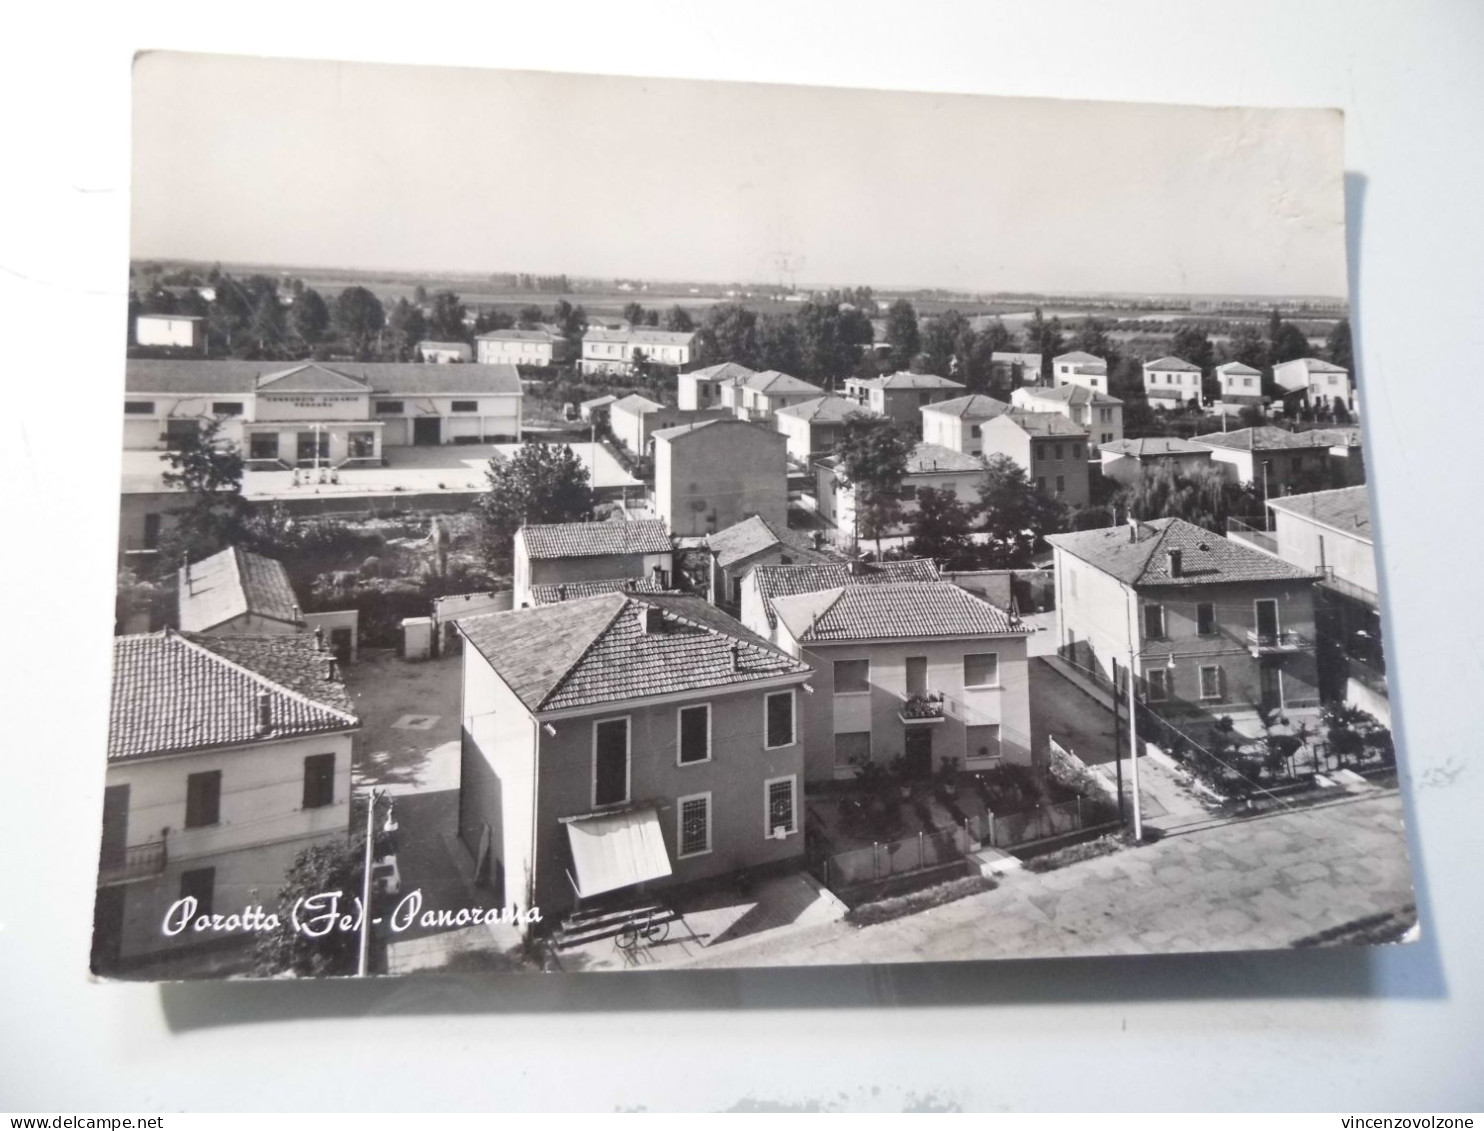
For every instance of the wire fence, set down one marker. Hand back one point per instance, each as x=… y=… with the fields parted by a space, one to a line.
x=885 y=859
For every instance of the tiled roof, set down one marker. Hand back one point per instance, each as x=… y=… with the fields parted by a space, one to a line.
x=1153 y=446
x=382 y=378
x=599 y=402
x=174 y=692
x=976 y=406
x=675 y=431
x=824 y=410
x=634 y=404
x=594 y=651
x=1266 y=438
x=1044 y=423
x=577 y=590
x=1206 y=558
x=173 y=317
x=311 y=378
x=1071 y=394
x=1346 y=437
x=929 y=458
x=1319 y=365
x=1172 y=363
x=234 y=583
x=727 y=373
x=544 y=336
x=1347 y=509
x=641 y=337
x=904 y=380
x=593 y=539
x=458 y=347
x=772 y=381
x=1076 y=357
x=753 y=535
x=1237 y=368
x=775 y=581
x=910 y=610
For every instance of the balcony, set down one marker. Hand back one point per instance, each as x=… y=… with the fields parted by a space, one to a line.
x=1348 y=589
x=1275 y=643
x=1239 y=531
x=137 y=862
x=923 y=707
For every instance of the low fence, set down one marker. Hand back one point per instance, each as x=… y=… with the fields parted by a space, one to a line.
x=893 y=858
x=1035 y=824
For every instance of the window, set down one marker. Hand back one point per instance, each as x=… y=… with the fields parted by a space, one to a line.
x=917 y=682
x=1205 y=619
x=611 y=761
x=982 y=669
x=465 y=406
x=314 y=445
x=263 y=445
x=924 y=398
x=319 y=781
x=852 y=676
x=779 y=720
x=1056 y=448
x=982 y=741
x=1210 y=681
x=693 y=825
x=1246 y=382
x=389 y=408
x=1154 y=622
x=852 y=748
x=778 y=795
x=1107 y=438
x=975 y=431
x=139 y=408
x=1076 y=451
x=1159 y=684
x=1061 y=484
x=203 y=799
x=199 y=884
x=226 y=408
x=693 y=737
x=1041 y=483
x=179 y=433
x=362 y=445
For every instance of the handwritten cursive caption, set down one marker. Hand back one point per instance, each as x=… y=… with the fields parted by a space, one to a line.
x=316 y=916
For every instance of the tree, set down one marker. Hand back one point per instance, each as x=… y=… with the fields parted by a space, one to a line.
x=946 y=344
x=446 y=323
x=311 y=317
x=1202 y=495
x=874 y=452
x=1247 y=346
x=1338 y=346
x=778 y=345
x=633 y=314
x=902 y=333
x=1290 y=344
x=215 y=513
x=539 y=483
x=1092 y=337
x=529 y=317
x=228 y=319
x=678 y=321
x=419 y=294
x=1044 y=338
x=269 y=330
x=407 y=327
x=829 y=340
x=728 y=333
x=1017 y=517
x=942 y=529
x=317 y=871
x=358 y=316
x=570 y=321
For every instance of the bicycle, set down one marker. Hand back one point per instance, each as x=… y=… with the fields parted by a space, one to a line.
x=646 y=929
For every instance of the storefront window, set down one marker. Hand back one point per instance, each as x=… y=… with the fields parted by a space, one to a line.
x=362 y=445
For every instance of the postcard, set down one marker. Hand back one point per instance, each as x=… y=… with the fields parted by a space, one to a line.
x=575 y=523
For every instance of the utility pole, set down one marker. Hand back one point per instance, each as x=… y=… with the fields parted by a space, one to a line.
x=363 y=961
x=1133 y=749
x=1117 y=743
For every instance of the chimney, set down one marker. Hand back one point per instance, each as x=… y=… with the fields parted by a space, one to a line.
x=1133 y=528
x=1174 y=557
x=651 y=620
x=265 y=712
x=330 y=671
x=319 y=636
x=297 y=615
x=736 y=657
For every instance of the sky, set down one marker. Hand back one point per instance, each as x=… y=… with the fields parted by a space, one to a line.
x=361 y=165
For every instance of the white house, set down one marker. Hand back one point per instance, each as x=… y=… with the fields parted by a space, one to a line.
x=626 y=420
x=1323 y=383
x=958 y=424
x=1241 y=385
x=815 y=427
x=702 y=388
x=613 y=352
x=523 y=347
x=930 y=465
x=171 y=331
x=567 y=552
x=1015 y=369
x=1080 y=368
x=1172 y=382
x=444 y=353
x=758 y=397
x=1098 y=414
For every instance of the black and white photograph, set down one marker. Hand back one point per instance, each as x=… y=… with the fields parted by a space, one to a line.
x=682 y=547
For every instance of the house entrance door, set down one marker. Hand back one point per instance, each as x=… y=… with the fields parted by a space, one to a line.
x=1271 y=676
x=919 y=752
x=427 y=430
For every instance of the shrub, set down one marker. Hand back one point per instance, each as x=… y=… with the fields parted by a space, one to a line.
x=1074 y=854
x=884 y=910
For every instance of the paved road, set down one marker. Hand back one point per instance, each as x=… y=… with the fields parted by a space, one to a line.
x=1059 y=707
x=1261 y=883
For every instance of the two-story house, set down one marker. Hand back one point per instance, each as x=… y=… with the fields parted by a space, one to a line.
x=764 y=584
x=815 y=427
x=227 y=756
x=1241 y=385
x=902 y=396
x=1171 y=382
x=713 y=473
x=759 y=397
x=702 y=388
x=523 y=347
x=924 y=671
x=171 y=331
x=1098 y=414
x=1210 y=626
x=1011 y=369
x=1080 y=368
x=1322 y=383
x=957 y=424
x=753 y=542
x=443 y=353
x=615 y=352
x=1128 y=461
x=1052 y=450
x=1272 y=460
x=929 y=465
x=565 y=552
x=622 y=743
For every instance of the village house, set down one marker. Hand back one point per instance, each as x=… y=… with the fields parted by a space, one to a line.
x=444 y=353
x=625 y=740
x=1329 y=533
x=598 y=405
x=1172 y=382
x=1241 y=386
x=902 y=395
x=227 y=756
x=1011 y=370
x=1212 y=627
x=815 y=427
x=930 y=465
x=921 y=671
x=752 y=542
x=1050 y=448
x=759 y=397
x=1128 y=461
x=309 y=414
x=615 y=352
x=702 y=388
x=1322 y=384
x=635 y=419
x=171 y=331
x=958 y=424
x=763 y=584
x=523 y=347
x=1272 y=460
x=1346 y=453
x=713 y=473
x=1080 y=368
x=1099 y=415
x=580 y=590
x=565 y=552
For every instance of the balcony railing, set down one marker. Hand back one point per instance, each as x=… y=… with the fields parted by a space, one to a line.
x=1240 y=531
x=1357 y=593
x=1274 y=643
x=137 y=862
x=923 y=707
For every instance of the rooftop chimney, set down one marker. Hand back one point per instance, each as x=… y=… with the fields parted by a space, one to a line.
x=651 y=620
x=1174 y=557
x=297 y=614
x=319 y=638
x=1133 y=528
x=736 y=657
x=330 y=671
x=265 y=712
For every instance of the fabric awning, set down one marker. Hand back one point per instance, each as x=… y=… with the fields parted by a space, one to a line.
x=617 y=850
